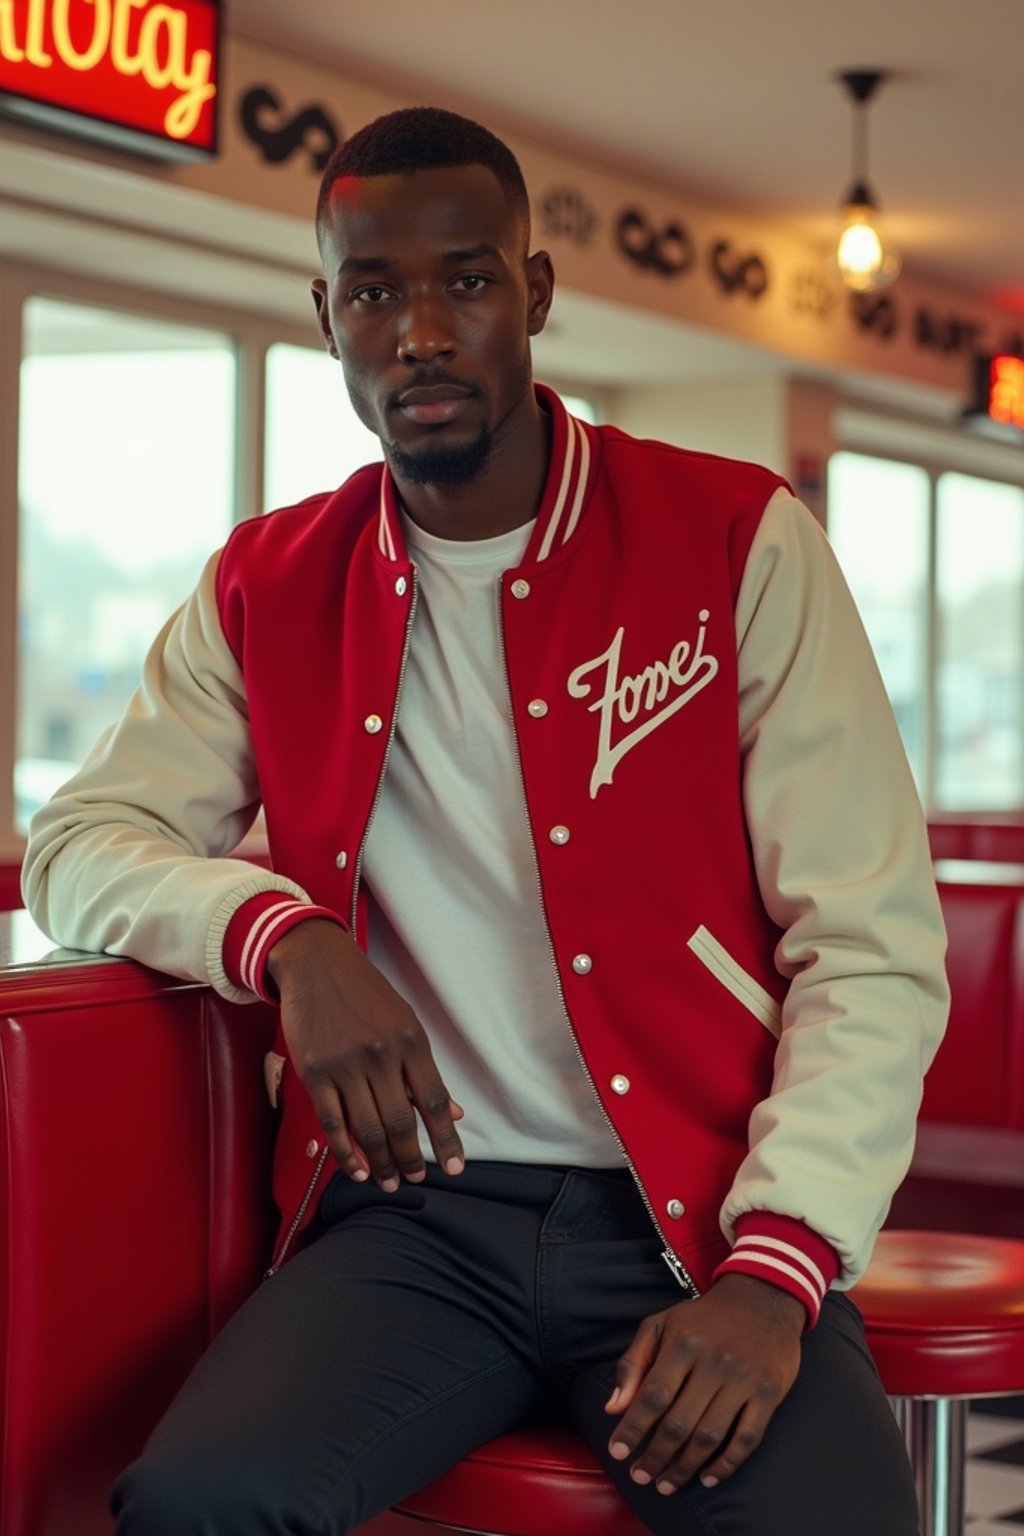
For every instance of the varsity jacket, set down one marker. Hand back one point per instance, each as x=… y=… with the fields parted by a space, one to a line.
x=730 y=854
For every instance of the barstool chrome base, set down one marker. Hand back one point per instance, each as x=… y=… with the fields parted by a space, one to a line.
x=935 y=1434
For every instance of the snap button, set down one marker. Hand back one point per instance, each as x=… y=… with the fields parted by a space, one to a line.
x=520 y=588
x=559 y=835
x=537 y=708
x=620 y=1084
x=312 y=1148
x=582 y=965
x=373 y=724
x=401 y=586
x=341 y=859
x=675 y=1209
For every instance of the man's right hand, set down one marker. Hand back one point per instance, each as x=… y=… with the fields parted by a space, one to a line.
x=363 y=1056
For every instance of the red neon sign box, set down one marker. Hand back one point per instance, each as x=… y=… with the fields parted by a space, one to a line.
x=138 y=74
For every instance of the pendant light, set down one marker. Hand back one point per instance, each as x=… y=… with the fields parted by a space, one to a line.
x=864 y=262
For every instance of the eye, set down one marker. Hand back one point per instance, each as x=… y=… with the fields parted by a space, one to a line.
x=470 y=282
x=373 y=293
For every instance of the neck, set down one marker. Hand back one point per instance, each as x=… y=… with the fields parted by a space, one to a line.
x=505 y=495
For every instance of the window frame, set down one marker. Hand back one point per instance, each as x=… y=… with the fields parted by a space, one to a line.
x=966 y=463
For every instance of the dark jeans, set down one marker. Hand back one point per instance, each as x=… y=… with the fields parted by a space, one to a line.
x=420 y=1324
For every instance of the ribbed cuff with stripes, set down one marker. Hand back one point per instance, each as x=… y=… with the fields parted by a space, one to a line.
x=786 y=1253
x=254 y=930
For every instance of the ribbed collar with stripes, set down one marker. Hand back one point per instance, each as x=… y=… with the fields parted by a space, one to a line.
x=571 y=472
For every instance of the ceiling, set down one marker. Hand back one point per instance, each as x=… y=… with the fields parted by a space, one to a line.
x=736 y=103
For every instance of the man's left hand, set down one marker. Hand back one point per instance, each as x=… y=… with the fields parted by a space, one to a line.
x=703 y=1379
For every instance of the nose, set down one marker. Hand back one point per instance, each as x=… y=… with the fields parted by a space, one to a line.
x=426 y=333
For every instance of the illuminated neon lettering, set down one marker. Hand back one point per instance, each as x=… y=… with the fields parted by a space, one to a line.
x=9 y=47
x=35 y=52
x=66 y=49
x=124 y=62
x=160 y=55
x=1006 y=391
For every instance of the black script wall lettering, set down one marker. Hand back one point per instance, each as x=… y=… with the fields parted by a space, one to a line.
x=669 y=251
x=745 y=274
x=278 y=138
x=566 y=213
x=945 y=333
x=810 y=293
x=875 y=313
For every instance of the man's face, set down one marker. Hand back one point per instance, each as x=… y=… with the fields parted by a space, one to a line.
x=429 y=301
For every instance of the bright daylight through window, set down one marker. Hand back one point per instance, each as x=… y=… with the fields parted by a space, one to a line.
x=126 y=485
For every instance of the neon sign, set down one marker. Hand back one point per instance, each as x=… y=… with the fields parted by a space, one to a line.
x=997 y=407
x=1006 y=390
x=131 y=73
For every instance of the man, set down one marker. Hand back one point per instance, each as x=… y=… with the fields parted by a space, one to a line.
x=601 y=923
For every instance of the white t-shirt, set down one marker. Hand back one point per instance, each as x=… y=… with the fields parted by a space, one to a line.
x=455 y=917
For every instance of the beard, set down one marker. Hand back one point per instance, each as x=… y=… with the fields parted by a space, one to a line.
x=447 y=466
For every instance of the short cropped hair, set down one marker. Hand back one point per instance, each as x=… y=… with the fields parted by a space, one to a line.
x=421 y=139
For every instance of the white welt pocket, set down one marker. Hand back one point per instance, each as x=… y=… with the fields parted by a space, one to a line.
x=732 y=976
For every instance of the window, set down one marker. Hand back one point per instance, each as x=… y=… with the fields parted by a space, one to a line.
x=936 y=565
x=126 y=485
x=980 y=661
x=878 y=524
x=314 y=438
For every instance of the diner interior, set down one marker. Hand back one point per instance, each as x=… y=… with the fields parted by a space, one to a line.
x=691 y=170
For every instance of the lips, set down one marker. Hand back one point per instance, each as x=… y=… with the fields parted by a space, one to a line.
x=432 y=405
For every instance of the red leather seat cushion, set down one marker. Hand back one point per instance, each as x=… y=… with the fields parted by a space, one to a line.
x=978 y=1075
x=535 y=1481
x=945 y=1313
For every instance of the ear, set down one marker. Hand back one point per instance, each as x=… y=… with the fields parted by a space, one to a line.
x=540 y=284
x=323 y=317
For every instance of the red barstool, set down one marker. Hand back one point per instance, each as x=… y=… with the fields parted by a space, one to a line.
x=945 y=1321
x=944 y=1314
x=541 y=1480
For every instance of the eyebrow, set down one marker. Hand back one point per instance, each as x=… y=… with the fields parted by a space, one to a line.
x=355 y=265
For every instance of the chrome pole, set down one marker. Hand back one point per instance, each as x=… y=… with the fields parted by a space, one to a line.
x=935 y=1434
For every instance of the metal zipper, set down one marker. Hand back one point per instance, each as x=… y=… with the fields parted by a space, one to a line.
x=307 y=1197
x=296 y=1220
x=679 y=1271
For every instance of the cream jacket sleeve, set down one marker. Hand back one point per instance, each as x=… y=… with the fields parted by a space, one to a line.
x=842 y=861
x=130 y=856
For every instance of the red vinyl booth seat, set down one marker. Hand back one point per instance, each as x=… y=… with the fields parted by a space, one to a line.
x=978 y=1075
x=10 y=885
x=968 y=1169
x=134 y=1179
x=134 y=1163
x=984 y=835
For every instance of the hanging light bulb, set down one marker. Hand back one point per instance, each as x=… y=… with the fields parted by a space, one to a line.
x=864 y=262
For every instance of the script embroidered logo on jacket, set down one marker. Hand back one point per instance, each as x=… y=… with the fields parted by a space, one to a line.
x=687 y=668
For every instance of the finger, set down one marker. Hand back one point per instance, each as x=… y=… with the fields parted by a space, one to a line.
x=633 y=1374
x=437 y=1111
x=457 y=1111
x=695 y=1427
x=349 y=1157
x=394 y=1148
x=748 y=1432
